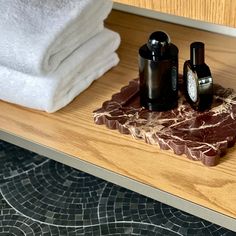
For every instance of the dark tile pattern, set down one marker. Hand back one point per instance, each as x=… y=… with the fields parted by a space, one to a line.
x=43 y=197
x=126 y=229
x=120 y=204
x=15 y=161
x=12 y=223
x=56 y=194
x=187 y=224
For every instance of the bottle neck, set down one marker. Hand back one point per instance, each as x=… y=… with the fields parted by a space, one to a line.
x=197 y=53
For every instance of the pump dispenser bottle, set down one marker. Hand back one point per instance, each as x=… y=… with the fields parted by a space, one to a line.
x=198 y=82
x=158 y=73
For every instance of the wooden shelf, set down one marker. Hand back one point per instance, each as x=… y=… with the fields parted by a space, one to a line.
x=213 y=11
x=70 y=135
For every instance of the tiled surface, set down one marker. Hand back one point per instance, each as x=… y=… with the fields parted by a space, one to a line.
x=15 y=161
x=43 y=197
x=56 y=194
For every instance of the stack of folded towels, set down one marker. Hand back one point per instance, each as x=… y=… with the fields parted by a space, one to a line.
x=52 y=50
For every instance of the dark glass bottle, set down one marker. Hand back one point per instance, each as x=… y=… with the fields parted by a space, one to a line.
x=198 y=82
x=158 y=73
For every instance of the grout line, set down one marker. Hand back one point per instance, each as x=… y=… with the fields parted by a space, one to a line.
x=27 y=171
x=133 y=222
x=99 y=200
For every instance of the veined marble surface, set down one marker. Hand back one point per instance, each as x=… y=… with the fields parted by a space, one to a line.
x=203 y=136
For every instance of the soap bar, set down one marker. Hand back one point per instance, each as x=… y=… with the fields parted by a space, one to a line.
x=201 y=136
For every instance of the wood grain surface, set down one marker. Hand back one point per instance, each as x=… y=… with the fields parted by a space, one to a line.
x=213 y=11
x=72 y=130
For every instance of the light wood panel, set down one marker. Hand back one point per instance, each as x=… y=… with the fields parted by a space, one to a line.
x=213 y=11
x=72 y=131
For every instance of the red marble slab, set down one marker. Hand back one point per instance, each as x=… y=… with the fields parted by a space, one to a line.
x=203 y=136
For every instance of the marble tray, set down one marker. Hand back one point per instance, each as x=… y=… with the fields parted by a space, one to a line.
x=203 y=136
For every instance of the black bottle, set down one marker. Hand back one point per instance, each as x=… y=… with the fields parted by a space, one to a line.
x=198 y=82
x=158 y=73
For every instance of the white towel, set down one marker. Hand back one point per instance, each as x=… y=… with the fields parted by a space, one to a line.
x=37 y=35
x=75 y=74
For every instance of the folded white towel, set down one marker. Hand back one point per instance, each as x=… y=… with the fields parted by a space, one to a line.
x=36 y=36
x=75 y=74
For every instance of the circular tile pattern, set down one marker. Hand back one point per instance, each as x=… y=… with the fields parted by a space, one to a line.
x=187 y=224
x=120 y=204
x=126 y=229
x=13 y=223
x=49 y=198
x=56 y=194
x=15 y=161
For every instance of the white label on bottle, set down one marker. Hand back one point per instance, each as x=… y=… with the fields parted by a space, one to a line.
x=191 y=85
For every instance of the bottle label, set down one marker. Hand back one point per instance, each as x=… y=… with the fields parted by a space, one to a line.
x=192 y=85
x=174 y=77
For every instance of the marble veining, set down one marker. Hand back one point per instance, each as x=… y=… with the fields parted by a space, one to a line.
x=203 y=136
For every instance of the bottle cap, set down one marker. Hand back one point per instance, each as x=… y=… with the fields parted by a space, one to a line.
x=197 y=53
x=157 y=42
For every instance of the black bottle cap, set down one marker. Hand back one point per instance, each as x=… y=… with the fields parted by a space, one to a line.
x=157 y=42
x=197 y=53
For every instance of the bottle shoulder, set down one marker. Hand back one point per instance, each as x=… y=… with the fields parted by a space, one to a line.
x=202 y=70
x=145 y=53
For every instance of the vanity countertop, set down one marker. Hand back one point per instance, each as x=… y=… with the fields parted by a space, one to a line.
x=71 y=137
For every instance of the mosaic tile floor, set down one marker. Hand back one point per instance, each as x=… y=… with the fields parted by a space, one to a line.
x=42 y=197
